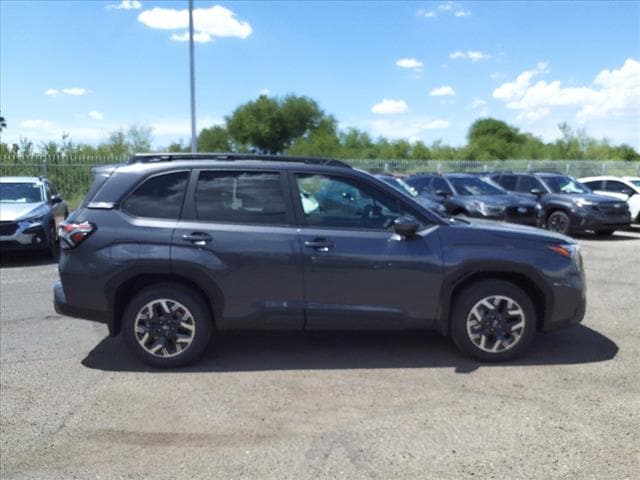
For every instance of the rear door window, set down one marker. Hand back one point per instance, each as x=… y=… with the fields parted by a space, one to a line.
x=245 y=197
x=158 y=197
x=526 y=183
x=508 y=182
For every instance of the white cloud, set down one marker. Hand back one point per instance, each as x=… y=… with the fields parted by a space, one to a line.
x=451 y=8
x=209 y=23
x=198 y=37
x=96 y=115
x=409 y=128
x=37 y=123
x=497 y=76
x=75 y=91
x=264 y=91
x=446 y=6
x=426 y=13
x=610 y=104
x=444 y=91
x=473 y=55
x=125 y=5
x=410 y=63
x=389 y=106
x=52 y=92
x=479 y=106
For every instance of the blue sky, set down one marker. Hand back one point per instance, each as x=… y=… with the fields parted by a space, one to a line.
x=416 y=70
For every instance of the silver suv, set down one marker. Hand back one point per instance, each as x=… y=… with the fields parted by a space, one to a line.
x=30 y=211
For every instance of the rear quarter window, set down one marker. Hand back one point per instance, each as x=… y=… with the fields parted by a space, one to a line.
x=158 y=197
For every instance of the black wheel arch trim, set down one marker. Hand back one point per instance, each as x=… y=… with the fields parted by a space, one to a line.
x=520 y=274
x=127 y=282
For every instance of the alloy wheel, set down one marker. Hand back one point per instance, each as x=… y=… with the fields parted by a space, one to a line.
x=496 y=324
x=164 y=328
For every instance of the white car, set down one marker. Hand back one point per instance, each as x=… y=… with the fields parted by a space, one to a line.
x=624 y=188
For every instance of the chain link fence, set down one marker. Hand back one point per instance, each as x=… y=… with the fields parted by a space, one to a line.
x=72 y=175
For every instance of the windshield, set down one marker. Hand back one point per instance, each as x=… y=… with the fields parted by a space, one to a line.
x=565 y=184
x=401 y=185
x=635 y=182
x=474 y=186
x=20 y=193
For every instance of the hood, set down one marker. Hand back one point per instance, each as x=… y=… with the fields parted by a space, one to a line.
x=498 y=200
x=17 y=211
x=512 y=230
x=594 y=198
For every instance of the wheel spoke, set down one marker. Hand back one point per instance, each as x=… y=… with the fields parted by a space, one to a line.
x=496 y=323
x=151 y=330
x=158 y=344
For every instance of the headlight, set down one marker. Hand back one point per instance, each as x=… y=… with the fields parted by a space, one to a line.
x=38 y=219
x=581 y=202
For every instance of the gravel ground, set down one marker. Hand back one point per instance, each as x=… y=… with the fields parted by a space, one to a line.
x=76 y=404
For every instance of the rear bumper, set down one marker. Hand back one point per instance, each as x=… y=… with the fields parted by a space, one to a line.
x=64 y=308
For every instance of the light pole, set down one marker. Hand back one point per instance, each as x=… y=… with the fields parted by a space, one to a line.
x=194 y=141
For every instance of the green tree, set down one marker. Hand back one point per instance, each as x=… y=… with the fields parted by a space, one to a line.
x=270 y=125
x=323 y=141
x=214 y=139
x=492 y=139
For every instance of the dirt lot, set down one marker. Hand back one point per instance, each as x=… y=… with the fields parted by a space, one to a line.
x=75 y=404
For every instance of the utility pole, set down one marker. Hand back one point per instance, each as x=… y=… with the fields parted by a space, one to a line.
x=194 y=140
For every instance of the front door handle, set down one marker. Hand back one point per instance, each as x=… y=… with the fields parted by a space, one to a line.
x=319 y=244
x=197 y=238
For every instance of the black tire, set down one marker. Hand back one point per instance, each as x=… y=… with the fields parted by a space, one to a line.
x=604 y=233
x=53 y=248
x=461 y=314
x=559 y=222
x=199 y=313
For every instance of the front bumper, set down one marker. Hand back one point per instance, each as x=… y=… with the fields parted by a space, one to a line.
x=23 y=236
x=593 y=220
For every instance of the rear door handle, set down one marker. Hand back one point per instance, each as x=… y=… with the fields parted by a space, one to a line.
x=319 y=244
x=197 y=238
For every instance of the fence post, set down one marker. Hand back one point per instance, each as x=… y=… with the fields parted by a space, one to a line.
x=604 y=168
x=529 y=167
x=386 y=167
x=439 y=167
x=568 y=168
x=44 y=167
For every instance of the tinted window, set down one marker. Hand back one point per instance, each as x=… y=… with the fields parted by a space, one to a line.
x=595 y=184
x=419 y=183
x=565 y=184
x=528 y=183
x=474 y=186
x=613 y=186
x=241 y=197
x=507 y=182
x=439 y=184
x=346 y=203
x=158 y=197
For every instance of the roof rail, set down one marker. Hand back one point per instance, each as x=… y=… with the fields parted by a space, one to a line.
x=230 y=157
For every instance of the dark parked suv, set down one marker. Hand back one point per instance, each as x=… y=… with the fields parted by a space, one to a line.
x=171 y=248
x=473 y=196
x=568 y=205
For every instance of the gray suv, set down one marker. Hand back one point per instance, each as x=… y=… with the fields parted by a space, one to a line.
x=30 y=211
x=172 y=248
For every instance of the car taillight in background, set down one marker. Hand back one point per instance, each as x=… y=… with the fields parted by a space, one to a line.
x=73 y=234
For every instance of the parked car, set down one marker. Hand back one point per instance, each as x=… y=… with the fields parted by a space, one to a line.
x=30 y=211
x=472 y=196
x=174 y=247
x=568 y=205
x=423 y=199
x=620 y=188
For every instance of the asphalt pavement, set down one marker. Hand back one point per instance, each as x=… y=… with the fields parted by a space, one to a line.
x=75 y=404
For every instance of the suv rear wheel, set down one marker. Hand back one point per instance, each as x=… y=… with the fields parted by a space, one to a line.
x=167 y=325
x=493 y=321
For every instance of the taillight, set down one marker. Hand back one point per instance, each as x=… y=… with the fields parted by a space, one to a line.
x=73 y=234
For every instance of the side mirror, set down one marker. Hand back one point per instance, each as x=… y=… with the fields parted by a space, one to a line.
x=57 y=198
x=406 y=227
x=536 y=191
x=442 y=193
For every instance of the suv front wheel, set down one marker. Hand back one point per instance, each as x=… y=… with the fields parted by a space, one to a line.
x=493 y=321
x=167 y=326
